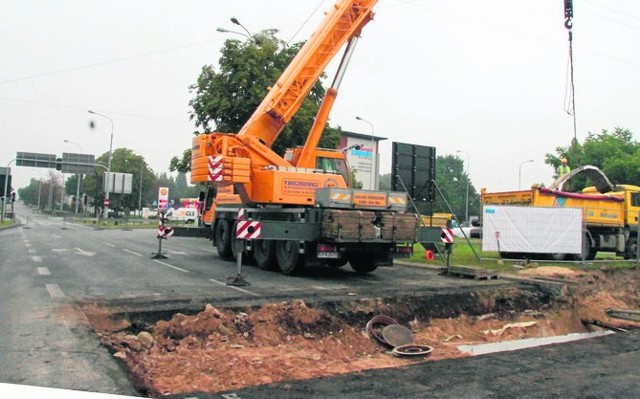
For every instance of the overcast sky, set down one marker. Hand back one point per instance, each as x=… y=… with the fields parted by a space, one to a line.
x=487 y=78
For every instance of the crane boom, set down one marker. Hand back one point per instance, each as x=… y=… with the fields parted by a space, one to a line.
x=345 y=20
x=246 y=159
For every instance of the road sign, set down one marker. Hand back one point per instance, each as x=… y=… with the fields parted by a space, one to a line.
x=164 y=231
x=106 y=202
x=119 y=183
x=248 y=229
x=446 y=235
x=36 y=160
x=163 y=197
x=78 y=163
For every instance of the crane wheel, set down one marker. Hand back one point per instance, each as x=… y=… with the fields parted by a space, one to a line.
x=223 y=239
x=264 y=253
x=290 y=261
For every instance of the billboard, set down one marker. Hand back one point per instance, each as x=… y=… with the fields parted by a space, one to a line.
x=413 y=169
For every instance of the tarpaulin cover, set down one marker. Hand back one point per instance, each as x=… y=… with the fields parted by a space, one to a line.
x=532 y=229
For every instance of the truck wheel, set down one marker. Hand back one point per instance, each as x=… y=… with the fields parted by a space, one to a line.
x=363 y=262
x=288 y=256
x=336 y=263
x=588 y=250
x=264 y=254
x=223 y=239
x=631 y=252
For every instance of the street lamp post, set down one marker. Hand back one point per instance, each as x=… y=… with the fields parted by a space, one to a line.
x=78 y=175
x=235 y=21
x=466 y=215
x=520 y=171
x=372 y=180
x=108 y=188
x=141 y=174
x=223 y=30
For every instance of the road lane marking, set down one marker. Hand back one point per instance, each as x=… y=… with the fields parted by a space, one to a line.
x=131 y=252
x=55 y=291
x=36 y=259
x=43 y=271
x=329 y=287
x=81 y=251
x=32 y=251
x=235 y=288
x=108 y=244
x=171 y=266
x=208 y=250
x=28 y=245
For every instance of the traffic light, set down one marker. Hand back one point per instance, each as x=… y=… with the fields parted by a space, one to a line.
x=85 y=199
x=13 y=196
x=58 y=163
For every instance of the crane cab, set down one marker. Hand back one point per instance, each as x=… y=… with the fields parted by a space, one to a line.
x=326 y=161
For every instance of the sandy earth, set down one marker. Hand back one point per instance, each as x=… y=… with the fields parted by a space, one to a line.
x=221 y=349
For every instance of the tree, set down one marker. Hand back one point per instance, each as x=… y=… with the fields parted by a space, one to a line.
x=615 y=153
x=123 y=160
x=225 y=99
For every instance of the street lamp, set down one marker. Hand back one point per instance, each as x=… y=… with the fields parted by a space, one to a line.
x=108 y=188
x=372 y=179
x=141 y=174
x=77 y=177
x=520 y=171
x=466 y=215
x=235 y=21
x=223 y=30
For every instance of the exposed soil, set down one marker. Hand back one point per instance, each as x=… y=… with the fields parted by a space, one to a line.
x=225 y=349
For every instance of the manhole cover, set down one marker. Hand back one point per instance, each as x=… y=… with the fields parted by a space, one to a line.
x=412 y=350
x=397 y=335
x=376 y=324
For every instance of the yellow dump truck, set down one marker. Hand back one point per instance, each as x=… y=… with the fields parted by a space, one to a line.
x=610 y=220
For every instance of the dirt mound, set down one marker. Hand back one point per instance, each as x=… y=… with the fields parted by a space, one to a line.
x=223 y=349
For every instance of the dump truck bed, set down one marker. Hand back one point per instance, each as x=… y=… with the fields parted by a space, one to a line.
x=598 y=209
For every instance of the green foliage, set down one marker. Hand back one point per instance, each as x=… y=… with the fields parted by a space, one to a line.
x=225 y=99
x=123 y=161
x=615 y=153
x=452 y=181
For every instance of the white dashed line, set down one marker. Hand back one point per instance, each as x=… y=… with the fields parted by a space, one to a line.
x=55 y=291
x=43 y=271
x=36 y=259
x=108 y=244
x=131 y=252
x=235 y=288
x=171 y=266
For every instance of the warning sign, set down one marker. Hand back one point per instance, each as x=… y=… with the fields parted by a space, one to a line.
x=370 y=199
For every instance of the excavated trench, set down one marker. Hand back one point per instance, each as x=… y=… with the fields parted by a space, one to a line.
x=209 y=348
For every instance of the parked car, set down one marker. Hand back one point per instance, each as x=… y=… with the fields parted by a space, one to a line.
x=460 y=231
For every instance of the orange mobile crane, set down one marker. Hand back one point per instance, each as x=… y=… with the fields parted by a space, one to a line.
x=303 y=209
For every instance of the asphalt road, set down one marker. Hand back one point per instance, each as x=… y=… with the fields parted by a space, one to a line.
x=47 y=267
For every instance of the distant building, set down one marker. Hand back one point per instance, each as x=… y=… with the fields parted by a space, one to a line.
x=365 y=160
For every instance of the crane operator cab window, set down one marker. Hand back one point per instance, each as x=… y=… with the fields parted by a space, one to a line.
x=333 y=165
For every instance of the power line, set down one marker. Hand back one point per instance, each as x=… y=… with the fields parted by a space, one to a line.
x=84 y=109
x=113 y=61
